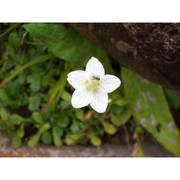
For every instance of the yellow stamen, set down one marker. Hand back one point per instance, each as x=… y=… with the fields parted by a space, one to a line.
x=92 y=85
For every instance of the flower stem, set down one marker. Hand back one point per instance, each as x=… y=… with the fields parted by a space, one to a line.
x=56 y=91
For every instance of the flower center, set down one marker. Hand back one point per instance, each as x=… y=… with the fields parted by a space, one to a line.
x=92 y=84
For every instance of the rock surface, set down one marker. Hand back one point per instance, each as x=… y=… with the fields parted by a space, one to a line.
x=151 y=49
x=107 y=150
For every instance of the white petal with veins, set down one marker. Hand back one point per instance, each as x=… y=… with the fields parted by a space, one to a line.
x=95 y=68
x=110 y=83
x=77 y=78
x=100 y=101
x=81 y=98
x=92 y=86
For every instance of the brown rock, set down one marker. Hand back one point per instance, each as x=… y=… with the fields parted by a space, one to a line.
x=151 y=49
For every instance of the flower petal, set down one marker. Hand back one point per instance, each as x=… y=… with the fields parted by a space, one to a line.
x=81 y=98
x=100 y=101
x=95 y=68
x=110 y=82
x=76 y=78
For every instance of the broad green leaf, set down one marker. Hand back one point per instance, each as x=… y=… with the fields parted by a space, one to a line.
x=20 y=131
x=67 y=44
x=16 y=119
x=4 y=96
x=121 y=119
x=109 y=128
x=150 y=109
x=14 y=40
x=15 y=93
x=62 y=120
x=116 y=98
x=95 y=140
x=73 y=138
x=4 y=114
x=34 y=103
x=13 y=89
x=56 y=137
x=16 y=142
x=79 y=114
x=37 y=117
x=44 y=128
x=35 y=82
x=74 y=126
x=173 y=98
x=116 y=109
x=46 y=138
x=33 y=141
x=66 y=96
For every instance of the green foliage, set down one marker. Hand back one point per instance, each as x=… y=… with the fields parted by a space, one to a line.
x=57 y=136
x=66 y=44
x=150 y=110
x=15 y=41
x=35 y=97
x=95 y=140
x=122 y=118
x=34 y=103
x=47 y=137
x=3 y=114
x=173 y=98
x=35 y=82
x=34 y=140
x=16 y=141
x=4 y=97
x=73 y=138
x=37 y=117
x=109 y=128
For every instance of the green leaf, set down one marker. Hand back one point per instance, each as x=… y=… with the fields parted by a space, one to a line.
x=74 y=126
x=35 y=82
x=116 y=109
x=66 y=96
x=62 y=120
x=66 y=43
x=34 y=103
x=20 y=131
x=16 y=142
x=37 y=117
x=46 y=138
x=14 y=40
x=44 y=128
x=80 y=114
x=4 y=96
x=109 y=128
x=150 y=109
x=4 y=114
x=73 y=138
x=33 y=141
x=15 y=93
x=121 y=119
x=16 y=119
x=56 y=137
x=95 y=140
x=12 y=89
x=173 y=98
x=48 y=80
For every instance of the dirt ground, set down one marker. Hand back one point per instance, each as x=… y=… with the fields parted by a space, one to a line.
x=150 y=149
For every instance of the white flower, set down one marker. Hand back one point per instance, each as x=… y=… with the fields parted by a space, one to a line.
x=92 y=85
